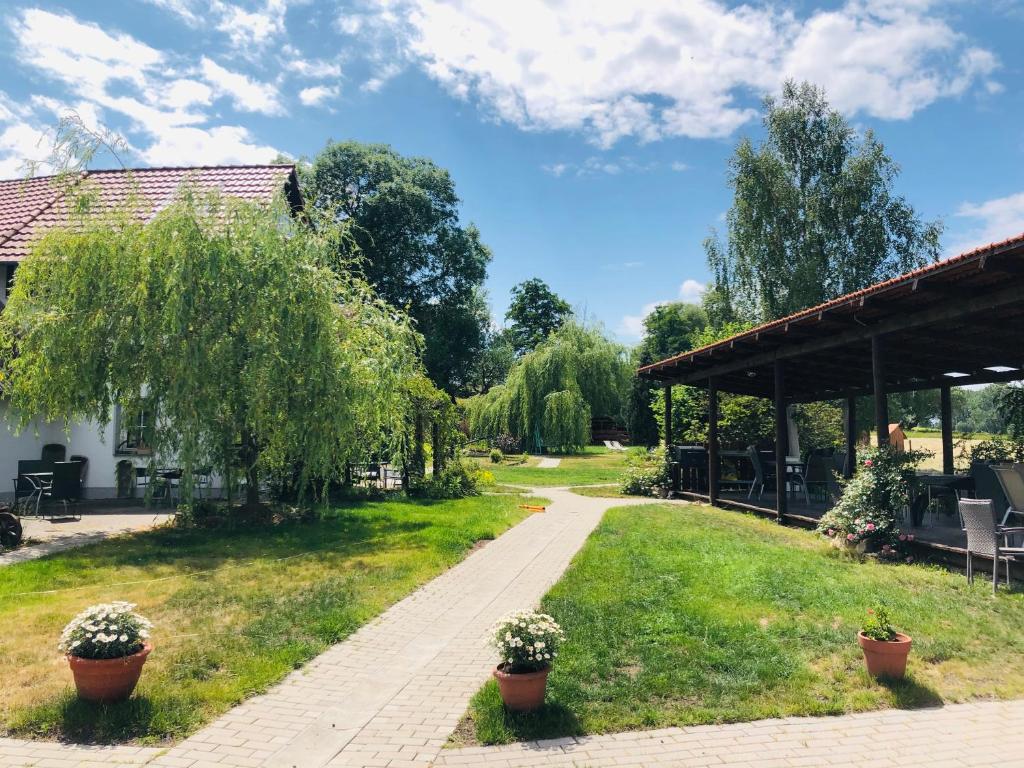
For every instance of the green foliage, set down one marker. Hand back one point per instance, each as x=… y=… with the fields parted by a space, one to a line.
x=1011 y=408
x=534 y=313
x=820 y=425
x=647 y=474
x=814 y=215
x=574 y=360
x=668 y=330
x=220 y=316
x=417 y=254
x=458 y=480
x=996 y=450
x=873 y=499
x=566 y=423
x=492 y=365
x=878 y=625
x=496 y=456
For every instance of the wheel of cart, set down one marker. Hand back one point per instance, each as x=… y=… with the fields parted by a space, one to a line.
x=10 y=529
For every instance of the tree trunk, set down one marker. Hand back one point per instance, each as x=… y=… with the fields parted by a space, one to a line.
x=250 y=455
x=418 y=464
x=438 y=448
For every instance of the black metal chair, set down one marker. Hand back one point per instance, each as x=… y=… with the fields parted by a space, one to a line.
x=28 y=487
x=986 y=537
x=66 y=486
x=53 y=452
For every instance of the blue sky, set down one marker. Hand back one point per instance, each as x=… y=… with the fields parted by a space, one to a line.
x=588 y=140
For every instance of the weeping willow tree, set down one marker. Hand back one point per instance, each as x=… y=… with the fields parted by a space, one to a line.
x=222 y=318
x=552 y=392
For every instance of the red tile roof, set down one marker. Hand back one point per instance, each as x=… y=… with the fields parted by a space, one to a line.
x=850 y=298
x=29 y=206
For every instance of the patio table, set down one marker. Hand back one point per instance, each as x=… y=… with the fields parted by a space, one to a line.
x=957 y=485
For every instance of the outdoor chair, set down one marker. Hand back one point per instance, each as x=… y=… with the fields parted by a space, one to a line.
x=83 y=463
x=201 y=478
x=1013 y=488
x=53 y=452
x=763 y=475
x=66 y=486
x=985 y=537
x=819 y=476
x=27 y=487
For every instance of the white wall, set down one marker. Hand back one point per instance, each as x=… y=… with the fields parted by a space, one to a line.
x=84 y=439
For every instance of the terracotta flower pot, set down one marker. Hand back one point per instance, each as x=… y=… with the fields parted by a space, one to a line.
x=523 y=691
x=108 y=680
x=885 y=658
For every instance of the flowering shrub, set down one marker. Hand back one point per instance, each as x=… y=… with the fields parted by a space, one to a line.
x=107 y=631
x=868 y=513
x=877 y=625
x=647 y=474
x=527 y=641
x=507 y=443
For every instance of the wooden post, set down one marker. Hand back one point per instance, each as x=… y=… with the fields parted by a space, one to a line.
x=881 y=400
x=781 y=441
x=946 y=415
x=851 y=437
x=668 y=416
x=713 y=462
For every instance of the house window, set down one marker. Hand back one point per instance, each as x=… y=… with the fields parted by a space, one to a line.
x=8 y=280
x=135 y=429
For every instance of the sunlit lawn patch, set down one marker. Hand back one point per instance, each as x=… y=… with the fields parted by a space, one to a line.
x=679 y=615
x=596 y=465
x=242 y=620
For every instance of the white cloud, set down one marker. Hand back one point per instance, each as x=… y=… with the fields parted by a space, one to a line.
x=246 y=94
x=632 y=326
x=691 y=291
x=992 y=221
x=108 y=71
x=607 y=165
x=245 y=28
x=664 y=68
x=222 y=144
x=678 y=166
x=317 y=94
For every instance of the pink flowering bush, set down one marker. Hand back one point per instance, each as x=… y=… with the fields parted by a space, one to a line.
x=867 y=515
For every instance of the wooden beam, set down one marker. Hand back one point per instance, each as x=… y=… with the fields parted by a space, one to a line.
x=668 y=416
x=714 y=467
x=881 y=397
x=985 y=302
x=946 y=417
x=851 y=437
x=781 y=440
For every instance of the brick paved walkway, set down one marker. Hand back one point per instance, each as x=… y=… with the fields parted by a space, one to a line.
x=956 y=736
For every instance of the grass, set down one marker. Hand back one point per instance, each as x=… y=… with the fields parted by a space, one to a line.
x=231 y=616
x=600 y=491
x=681 y=615
x=595 y=465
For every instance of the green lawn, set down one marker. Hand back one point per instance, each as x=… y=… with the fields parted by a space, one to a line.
x=236 y=628
x=680 y=615
x=600 y=491
x=596 y=465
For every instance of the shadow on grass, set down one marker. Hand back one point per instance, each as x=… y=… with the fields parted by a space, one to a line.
x=910 y=694
x=494 y=724
x=87 y=722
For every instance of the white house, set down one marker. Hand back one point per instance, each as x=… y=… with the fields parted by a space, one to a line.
x=27 y=208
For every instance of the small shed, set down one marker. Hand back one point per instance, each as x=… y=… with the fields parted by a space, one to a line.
x=897 y=437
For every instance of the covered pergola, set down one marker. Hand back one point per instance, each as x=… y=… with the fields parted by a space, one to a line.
x=956 y=322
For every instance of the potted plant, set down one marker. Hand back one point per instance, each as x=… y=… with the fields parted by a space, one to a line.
x=527 y=643
x=106 y=646
x=885 y=649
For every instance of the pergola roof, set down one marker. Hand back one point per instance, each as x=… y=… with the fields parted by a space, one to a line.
x=958 y=321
